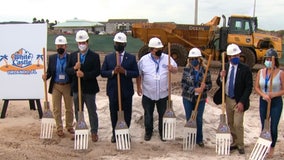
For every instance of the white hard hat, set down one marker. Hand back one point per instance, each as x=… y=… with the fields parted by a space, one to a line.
x=120 y=37
x=60 y=40
x=194 y=52
x=82 y=36
x=155 y=43
x=233 y=49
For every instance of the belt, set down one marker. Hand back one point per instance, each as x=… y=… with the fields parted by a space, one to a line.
x=60 y=83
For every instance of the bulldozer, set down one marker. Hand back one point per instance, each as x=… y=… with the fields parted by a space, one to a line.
x=209 y=38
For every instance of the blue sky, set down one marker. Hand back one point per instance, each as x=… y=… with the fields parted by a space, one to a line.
x=269 y=13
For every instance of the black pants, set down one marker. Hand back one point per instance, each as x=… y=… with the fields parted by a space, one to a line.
x=126 y=107
x=149 y=106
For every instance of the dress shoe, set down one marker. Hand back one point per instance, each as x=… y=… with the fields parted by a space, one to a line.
x=241 y=151
x=71 y=131
x=147 y=137
x=201 y=144
x=233 y=148
x=95 y=137
x=113 y=140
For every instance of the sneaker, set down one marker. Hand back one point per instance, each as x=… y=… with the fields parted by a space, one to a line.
x=147 y=137
x=201 y=144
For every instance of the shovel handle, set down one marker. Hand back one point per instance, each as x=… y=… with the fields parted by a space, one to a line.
x=203 y=80
x=270 y=87
x=169 y=73
x=44 y=70
x=223 y=84
x=118 y=82
x=79 y=85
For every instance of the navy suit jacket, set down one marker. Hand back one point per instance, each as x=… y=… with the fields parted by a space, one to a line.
x=91 y=69
x=243 y=84
x=51 y=70
x=130 y=65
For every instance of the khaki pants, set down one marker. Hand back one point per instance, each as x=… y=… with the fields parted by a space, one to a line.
x=235 y=122
x=58 y=92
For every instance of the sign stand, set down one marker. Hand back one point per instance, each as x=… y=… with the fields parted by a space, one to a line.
x=31 y=102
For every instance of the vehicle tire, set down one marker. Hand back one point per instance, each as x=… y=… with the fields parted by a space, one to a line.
x=178 y=53
x=248 y=57
x=142 y=51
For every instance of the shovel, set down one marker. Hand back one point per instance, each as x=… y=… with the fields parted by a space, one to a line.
x=81 y=129
x=47 y=121
x=264 y=141
x=122 y=134
x=190 y=128
x=169 y=118
x=223 y=136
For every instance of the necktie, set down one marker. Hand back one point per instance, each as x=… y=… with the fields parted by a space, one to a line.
x=120 y=58
x=231 y=82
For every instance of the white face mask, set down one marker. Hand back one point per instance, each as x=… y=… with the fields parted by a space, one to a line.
x=82 y=47
x=268 y=64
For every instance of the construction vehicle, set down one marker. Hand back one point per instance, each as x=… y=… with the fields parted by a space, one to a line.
x=209 y=38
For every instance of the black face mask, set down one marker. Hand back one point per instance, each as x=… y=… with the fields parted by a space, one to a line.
x=119 y=47
x=159 y=53
x=60 y=50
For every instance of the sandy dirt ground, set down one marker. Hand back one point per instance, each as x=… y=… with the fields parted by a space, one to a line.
x=20 y=132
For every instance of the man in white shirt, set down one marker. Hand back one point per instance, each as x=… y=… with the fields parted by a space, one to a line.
x=153 y=68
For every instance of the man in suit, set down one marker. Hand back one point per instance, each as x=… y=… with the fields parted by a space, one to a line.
x=128 y=69
x=59 y=86
x=238 y=88
x=88 y=70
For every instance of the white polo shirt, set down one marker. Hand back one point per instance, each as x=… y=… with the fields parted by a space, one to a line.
x=154 y=74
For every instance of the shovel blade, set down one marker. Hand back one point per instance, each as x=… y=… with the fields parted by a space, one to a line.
x=223 y=141
x=189 y=138
x=122 y=137
x=169 y=128
x=260 y=149
x=81 y=139
x=47 y=125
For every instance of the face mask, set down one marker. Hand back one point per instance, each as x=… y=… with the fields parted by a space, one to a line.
x=194 y=62
x=159 y=53
x=235 y=60
x=60 y=50
x=82 y=47
x=119 y=48
x=268 y=64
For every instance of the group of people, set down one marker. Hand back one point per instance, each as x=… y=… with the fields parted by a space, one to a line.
x=238 y=87
x=64 y=70
x=151 y=73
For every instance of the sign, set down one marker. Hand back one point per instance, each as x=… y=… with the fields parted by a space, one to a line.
x=21 y=60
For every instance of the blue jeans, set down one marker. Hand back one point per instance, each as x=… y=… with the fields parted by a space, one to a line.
x=90 y=101
x=188 y=108
x=149 y=106
x=275 y=114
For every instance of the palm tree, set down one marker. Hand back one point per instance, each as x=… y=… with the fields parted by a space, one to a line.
x=38 y=58
x=34 y=20
x=5 y=58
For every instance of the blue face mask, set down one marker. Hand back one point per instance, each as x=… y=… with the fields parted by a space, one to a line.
x=194 y=62
x=268 y=64
x=235 y=60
